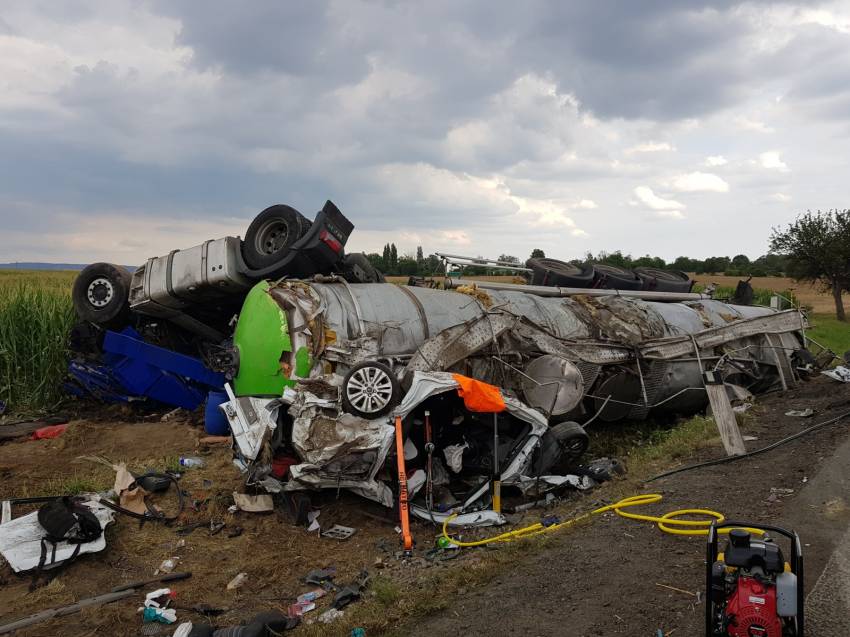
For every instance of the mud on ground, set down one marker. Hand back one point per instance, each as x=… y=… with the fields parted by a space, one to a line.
x=598 y=579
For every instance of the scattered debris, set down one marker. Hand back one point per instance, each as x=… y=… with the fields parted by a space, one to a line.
x=168 y=565
x=801 y=413
x=21 y=539
x=237 y=581
x=339 y=532
x=839 y=373
x=49 y=432
x=191 y=462
x=253 y=503
x=320 y=576
x=330 y=615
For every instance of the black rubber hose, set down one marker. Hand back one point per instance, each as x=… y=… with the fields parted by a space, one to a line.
x=755 y=452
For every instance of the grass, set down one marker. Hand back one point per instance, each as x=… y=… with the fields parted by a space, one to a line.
x=36 y=315
x=830 y=332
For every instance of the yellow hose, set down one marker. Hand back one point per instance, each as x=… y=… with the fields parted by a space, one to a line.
x=666 y=522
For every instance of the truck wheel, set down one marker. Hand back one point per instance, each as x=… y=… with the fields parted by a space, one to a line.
x=611 y=277
x=100 y=294
x=664 y=280
x=369 y=390
x=559 y=273
x=356 y=268
x=271 y=234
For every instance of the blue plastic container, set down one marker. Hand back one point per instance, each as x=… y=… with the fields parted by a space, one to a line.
x=215 y=422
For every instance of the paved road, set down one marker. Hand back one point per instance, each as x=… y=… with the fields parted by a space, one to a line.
x=826 y=499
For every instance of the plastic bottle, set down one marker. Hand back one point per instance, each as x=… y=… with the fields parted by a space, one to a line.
x=190 y=462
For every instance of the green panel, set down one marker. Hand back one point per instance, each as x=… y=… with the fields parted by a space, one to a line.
x=261 y=335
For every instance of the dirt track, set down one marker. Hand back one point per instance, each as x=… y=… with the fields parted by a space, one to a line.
x=604 y=579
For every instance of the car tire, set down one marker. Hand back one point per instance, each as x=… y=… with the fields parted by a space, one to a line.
x=572 y=439
x=101 y=293
x=559 y=273
x=370 y=390
x=356 y=268
x=271 y=234
x=656 y=280
x=610 y=277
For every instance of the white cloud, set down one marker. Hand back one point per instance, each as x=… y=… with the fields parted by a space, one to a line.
x=773 y=161
x=649 y=147
x=587 y=204
x=663 y=207
x=745 y=123
x=700 y=182
x=780 y=196
x=716 y=160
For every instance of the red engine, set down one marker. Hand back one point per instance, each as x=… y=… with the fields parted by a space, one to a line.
x=751 y=610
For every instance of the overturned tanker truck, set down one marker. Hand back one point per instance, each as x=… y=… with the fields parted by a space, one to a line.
x=348 y=357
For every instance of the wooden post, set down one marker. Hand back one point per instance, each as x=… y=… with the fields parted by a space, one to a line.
x=724 y=417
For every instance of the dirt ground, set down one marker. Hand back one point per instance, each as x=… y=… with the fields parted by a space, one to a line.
x=609 y=578
x=598 y=579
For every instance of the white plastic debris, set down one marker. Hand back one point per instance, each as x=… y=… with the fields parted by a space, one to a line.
x=237 y=581
x=330 y=615
x=840 y=373
x=801 y=413
x=20 y=539
x=454 y=456
x=183 y=630
x=150 y=598
x=168 y=565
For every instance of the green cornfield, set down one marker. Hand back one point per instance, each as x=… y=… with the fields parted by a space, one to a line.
x=36 y=316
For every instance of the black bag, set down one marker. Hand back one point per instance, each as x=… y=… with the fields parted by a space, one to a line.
x=65 y=520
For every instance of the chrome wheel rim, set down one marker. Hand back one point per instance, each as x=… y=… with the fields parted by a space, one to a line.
x=100 y=292
x=369 y=389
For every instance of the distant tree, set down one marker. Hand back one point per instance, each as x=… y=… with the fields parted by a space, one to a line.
x=818 y=249
x=387 y=260
x=407 y=266
x=420 y=257
x=376 y=260
x=393 y=258
x=686 y=264
x=713 y=265
x=507 y=258
x=647 y=261
x=537 y=253
x=432 y=265
x=740 y=262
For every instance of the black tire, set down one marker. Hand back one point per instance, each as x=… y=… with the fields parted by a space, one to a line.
x=571 y=437
x=100 y=294
x=271 y=234
x=664 y=280
x=610 y=277
x=356 y=397
x=356 y=268
x=560 y=447
x=559 y=273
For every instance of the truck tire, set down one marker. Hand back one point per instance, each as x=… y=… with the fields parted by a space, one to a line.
x=100 y=294
x=559 y=273
x=356 y=268
x=610 y=277
x=369 y=390
x=664 y=280
x=271 y=234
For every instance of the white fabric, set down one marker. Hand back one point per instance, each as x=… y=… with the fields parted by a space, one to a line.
x=20 y=539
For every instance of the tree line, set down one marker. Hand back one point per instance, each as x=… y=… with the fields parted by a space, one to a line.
x=391 y=263
x=815 y=247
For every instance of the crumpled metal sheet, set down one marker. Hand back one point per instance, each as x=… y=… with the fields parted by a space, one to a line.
x=473 y=519
x=251 y=420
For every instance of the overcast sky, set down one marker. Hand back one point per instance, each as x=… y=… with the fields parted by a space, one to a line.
x=130 y=128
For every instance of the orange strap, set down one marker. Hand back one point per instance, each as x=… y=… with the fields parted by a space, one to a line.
x=478 y=396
